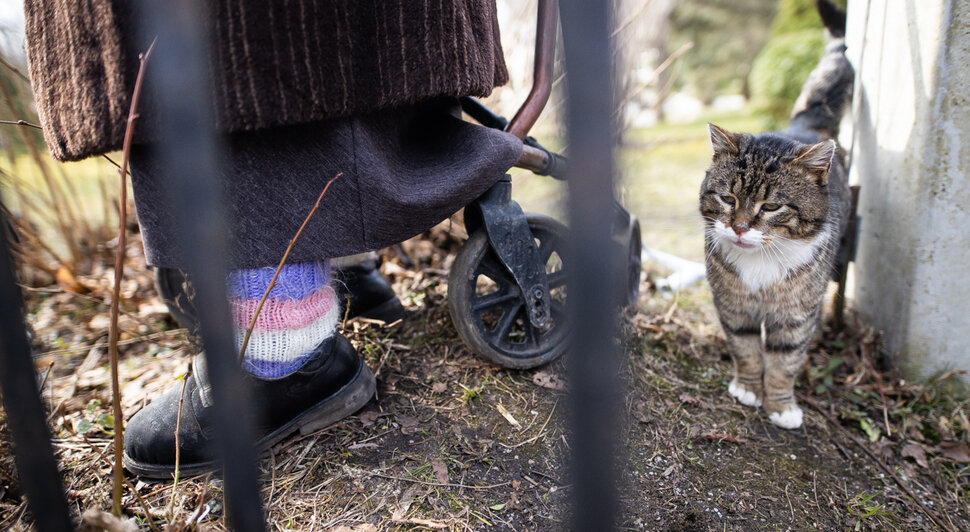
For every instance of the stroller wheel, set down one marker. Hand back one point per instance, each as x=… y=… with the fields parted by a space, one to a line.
x=487 y=306
x=634 y=265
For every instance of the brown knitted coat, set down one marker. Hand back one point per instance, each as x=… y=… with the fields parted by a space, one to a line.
x=273 y=62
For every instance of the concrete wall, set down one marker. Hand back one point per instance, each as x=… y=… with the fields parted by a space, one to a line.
x=910 y=152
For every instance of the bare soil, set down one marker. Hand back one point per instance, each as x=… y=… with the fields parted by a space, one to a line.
x=452 y=442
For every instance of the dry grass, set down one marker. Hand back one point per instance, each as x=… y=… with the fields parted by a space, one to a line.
x=454 y=443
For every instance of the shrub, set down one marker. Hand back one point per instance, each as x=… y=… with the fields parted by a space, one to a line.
x=782 y=67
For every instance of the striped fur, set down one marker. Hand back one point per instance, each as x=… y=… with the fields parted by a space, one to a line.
x=775 y=208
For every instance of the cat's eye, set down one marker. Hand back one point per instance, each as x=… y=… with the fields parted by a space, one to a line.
x=728 y=199
x=770 y=207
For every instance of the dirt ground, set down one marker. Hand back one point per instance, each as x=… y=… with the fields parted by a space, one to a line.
x=452 y=442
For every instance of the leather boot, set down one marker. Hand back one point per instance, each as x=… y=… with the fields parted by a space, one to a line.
x=333 y=384
x=367 y=292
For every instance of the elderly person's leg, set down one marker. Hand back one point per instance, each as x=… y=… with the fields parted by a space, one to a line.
x=302 y=374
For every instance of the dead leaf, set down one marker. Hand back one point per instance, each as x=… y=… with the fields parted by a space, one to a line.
x=404 y=504
x=691 y=400
x=955 y=450
x=916 y=452
x=368 y=418
x=440 y=471
x=438 y=387
x=409 y=425
x=640 y=412
x=68 y=283
x=548 y=380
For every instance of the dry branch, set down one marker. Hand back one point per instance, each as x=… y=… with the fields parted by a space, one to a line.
x=119 y=425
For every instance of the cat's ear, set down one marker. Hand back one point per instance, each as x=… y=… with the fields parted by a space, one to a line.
x=724 y=142
x=817 y=159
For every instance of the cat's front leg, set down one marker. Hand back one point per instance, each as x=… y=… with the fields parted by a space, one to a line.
x=786 y=343
x=744 y=344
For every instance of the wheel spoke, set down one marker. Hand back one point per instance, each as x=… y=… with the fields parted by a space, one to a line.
x=546 y=247
x=501 y=331
x=532 y=334
x=497 y=299
x=493 y=269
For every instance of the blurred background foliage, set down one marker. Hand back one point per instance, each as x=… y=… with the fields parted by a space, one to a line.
x=727 y=36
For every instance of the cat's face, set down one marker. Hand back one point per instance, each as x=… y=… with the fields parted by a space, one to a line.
x=763 y=190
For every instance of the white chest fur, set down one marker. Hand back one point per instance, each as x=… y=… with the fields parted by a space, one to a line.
x=767 y=260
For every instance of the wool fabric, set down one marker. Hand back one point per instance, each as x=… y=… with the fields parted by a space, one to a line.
x=300 y=312
x=402 y=171
x=272 y=63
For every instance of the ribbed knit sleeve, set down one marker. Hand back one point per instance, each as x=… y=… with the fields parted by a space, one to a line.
x=273 y=63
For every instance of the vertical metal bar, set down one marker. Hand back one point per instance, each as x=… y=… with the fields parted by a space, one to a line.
x=26 y=416
x=178 y=83
x=596 y=268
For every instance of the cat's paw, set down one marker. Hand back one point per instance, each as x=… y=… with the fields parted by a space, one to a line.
x=743 y=395
x=789 y=419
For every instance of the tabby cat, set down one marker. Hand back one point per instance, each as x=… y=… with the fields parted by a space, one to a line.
x=775 y=206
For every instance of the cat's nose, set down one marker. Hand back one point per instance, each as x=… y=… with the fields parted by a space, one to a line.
x=739 y=228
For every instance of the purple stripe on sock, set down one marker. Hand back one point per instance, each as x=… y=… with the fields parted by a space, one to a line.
x=296 y=281
x=272 y=369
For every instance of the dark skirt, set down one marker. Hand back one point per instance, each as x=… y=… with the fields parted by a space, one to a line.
x=404 y=170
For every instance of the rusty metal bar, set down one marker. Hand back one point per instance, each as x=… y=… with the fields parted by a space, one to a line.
x=545 y=56
x=596 y=268
x=26 y=416
x=189 y=153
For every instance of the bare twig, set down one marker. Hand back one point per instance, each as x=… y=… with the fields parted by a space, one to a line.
x=140 y=499
x=14 y=69
x=178 y=427
x=631 y=19
x=144 y=505
x=678 y=53
x=84 y=347
x=286 y=255
x=20 y=123
x=119 y=439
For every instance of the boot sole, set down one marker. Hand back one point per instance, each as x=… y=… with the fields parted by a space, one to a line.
x=349 y=399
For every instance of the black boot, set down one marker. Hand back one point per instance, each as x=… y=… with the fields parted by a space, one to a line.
x=333 y=384
x=368 y=293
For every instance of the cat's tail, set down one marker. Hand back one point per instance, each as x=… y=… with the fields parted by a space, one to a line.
x=828 y=91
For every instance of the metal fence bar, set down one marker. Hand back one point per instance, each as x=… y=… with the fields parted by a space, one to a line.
x=26 y=416
x=188 y=151
x=596 y=267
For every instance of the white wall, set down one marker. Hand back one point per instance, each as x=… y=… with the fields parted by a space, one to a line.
x=910 y=149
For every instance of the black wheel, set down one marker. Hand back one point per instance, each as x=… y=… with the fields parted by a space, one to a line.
x=487 y=306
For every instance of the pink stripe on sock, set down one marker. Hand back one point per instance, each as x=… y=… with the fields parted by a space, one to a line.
x=279 y=315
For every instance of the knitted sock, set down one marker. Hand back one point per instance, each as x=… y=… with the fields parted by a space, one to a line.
x=300 y=312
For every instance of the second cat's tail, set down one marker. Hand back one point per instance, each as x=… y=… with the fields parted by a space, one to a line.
x=827 y=92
